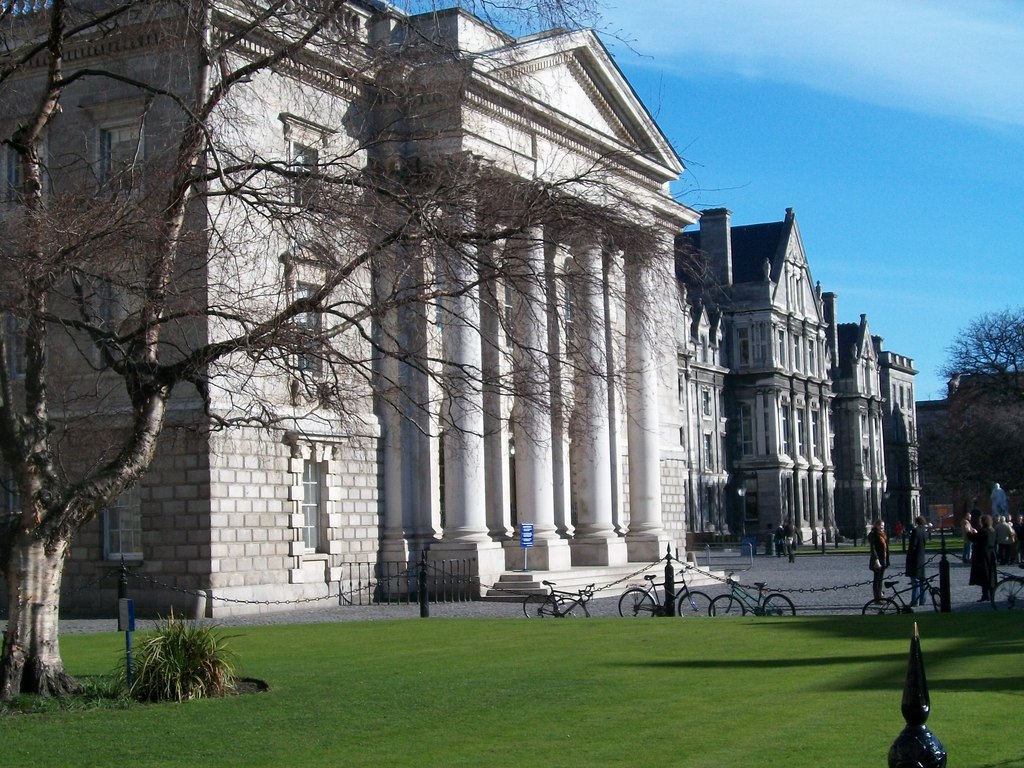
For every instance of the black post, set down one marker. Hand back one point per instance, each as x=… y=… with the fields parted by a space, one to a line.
x=944 y=604
x=422 y=592
x=670 y=583
x=916 y=746
x=122 y=583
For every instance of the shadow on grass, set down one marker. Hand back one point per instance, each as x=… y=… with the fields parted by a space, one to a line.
x=949 y=641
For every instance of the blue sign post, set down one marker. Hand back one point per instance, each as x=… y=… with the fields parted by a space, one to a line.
x=525 y=540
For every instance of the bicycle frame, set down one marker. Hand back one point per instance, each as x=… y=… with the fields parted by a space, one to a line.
x=739 y=601
x=651 y=600
x=558 y=603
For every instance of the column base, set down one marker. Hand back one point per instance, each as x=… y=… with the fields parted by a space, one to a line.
x=544 y=555
x=648 y=547
x=488 y=561
x=598 y=550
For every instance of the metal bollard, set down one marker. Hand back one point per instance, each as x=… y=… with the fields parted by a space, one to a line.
x=424 y=601
x=670 y=583
x=916 y=746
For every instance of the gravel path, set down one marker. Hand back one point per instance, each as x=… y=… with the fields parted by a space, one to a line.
x=833 y=583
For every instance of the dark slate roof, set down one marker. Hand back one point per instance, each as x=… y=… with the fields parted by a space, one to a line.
x=847 y=335
x=752 y=245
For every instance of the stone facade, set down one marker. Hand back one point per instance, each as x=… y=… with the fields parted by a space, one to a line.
x=802 y=395
x=586 y=388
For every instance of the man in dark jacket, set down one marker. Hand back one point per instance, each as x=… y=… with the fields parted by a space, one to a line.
x=916 y=560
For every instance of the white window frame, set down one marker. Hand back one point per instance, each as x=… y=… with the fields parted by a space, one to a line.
x=107 y=171
x=312 y=322
x=122 y=527
x=312 y=504
x=746 y=429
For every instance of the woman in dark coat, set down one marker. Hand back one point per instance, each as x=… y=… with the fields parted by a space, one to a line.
x=983 y=556
x=916 y=559
x=879 y=561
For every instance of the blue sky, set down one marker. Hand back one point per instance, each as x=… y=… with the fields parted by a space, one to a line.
x=895 y=130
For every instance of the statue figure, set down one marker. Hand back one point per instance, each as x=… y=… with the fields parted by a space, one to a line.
x=1000 y=502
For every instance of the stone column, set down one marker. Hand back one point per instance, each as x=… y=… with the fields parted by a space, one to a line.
x=646 y=298
x=531 y=412
x=465 y=531
x=595 y=542
x=462 y=409
x=409 y=495
x=497 y=480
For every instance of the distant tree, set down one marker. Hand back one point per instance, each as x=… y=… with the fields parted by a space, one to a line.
x=138 y=281
x=978 y=442
x=990 y=352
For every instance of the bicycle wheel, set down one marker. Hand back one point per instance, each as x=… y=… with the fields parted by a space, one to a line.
x=777 y=604
x=539 y=606
x=726 y=605
x=692 y=603
x=1009 y=594
x=871 y=608
x=636 y=601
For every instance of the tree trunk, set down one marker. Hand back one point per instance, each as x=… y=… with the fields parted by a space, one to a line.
x=31 y=660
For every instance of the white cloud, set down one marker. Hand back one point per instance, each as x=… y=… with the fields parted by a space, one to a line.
x=944 y=57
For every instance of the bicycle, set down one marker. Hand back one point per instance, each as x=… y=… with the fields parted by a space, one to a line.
x=896 y=604
x=557 y=603
x=739 y=602
x=1009 y=594
x=646 y=601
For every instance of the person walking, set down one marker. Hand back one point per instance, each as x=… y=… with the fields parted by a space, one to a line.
x=879 y=548
x=790 y=537
x=916 y=561
x=983 y=556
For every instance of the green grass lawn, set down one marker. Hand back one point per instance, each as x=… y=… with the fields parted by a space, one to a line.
x=822 y=691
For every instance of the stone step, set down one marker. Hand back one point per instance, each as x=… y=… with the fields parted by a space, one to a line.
x=609 y=581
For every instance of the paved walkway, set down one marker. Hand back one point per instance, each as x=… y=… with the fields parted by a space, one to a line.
x=833 y=583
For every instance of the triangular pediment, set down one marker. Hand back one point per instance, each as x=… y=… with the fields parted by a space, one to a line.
x=571 y=76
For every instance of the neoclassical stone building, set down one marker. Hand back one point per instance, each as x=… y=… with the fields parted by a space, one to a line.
x=493 y=381
x=790 y=399
x=525 y=347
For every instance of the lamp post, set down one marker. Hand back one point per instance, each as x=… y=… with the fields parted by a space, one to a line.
x=741 y=493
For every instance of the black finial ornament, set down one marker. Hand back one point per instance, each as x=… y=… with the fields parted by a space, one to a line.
x=916 y=746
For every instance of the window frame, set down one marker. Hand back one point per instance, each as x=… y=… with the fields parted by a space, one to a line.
x=128 y=503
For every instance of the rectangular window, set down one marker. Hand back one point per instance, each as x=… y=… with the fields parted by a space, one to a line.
x=12 y=174
x=746 y=429
x=310 y=330
x=122 y=528
x=304 y=161
x=797 y=362
x=815 y=444
x=708 y=450
x=784 y=413
x=312 y=504
x=120 y=151
x=781 y=362
x=812 y=361
x=14 y=340
x=760 y=344
x=799 y=431
x=743 y=345
x=705 y=401
x=12 y=502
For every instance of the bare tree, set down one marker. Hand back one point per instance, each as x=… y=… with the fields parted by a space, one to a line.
x=136 y=272
x=977 y=441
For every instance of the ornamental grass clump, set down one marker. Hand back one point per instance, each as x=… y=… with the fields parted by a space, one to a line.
x=182 y=660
